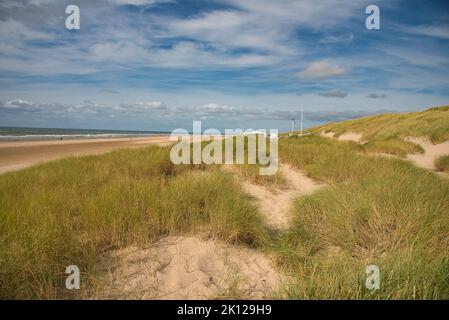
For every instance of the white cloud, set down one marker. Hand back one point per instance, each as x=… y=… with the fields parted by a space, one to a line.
x=18 y=105
x=321 y=70
x=337 y=38
x=437 y=31
x=232 y=29
x=311 y=13
x=142 y=106
x=158 y=110
x=421 y=56
x=16 y=30
x=250 y=34
x=216 y=108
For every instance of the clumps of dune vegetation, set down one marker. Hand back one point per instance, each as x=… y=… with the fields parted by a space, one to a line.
x=376 y=211
x=432 y=123
x=250 y=172
x=70 y=211
x=393 y=146
x=442 y=164
x=385 y=133
x=373 y=210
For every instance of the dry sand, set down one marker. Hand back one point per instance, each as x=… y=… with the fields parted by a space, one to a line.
x=347 y=136
x=329 y=134
x=22 y=154
x=351 y=136
x=189 y=268
x=432 y=151
x=276 y=206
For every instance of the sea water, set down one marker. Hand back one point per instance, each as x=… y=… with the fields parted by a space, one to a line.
x=30 y=134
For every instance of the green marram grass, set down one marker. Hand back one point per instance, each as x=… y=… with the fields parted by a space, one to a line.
x=373 y=210
x=70 y=211
x=442 y=163
x=386 y=133
x=432 y=123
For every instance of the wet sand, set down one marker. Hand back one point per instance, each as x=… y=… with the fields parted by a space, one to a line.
x=15 y=155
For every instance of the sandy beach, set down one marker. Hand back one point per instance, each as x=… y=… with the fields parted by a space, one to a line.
x=15 y=155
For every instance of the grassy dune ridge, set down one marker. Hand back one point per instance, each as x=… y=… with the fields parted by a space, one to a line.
x=385 y=133
x=432 y=123
x=375 y=211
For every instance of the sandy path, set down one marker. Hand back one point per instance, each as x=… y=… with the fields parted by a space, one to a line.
x=18 y=155
x=189 y=268
x=276 y=206
x=432 y=151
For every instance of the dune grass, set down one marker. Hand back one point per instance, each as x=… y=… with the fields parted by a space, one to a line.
x=432 y=123
x=70 y=211
x=392 y=146
x=386 y=133
x=249 y=171
x=442 y=163
x=375 y=211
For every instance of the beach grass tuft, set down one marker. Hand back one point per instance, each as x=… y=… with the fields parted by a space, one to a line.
x=442 y=163
x=70 y=211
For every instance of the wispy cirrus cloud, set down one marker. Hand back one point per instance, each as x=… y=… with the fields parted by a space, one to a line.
x=434 y=30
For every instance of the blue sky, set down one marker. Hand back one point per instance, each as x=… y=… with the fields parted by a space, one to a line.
x=159 y=64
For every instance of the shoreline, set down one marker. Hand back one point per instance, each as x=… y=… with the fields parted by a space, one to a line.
x=16 y=155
